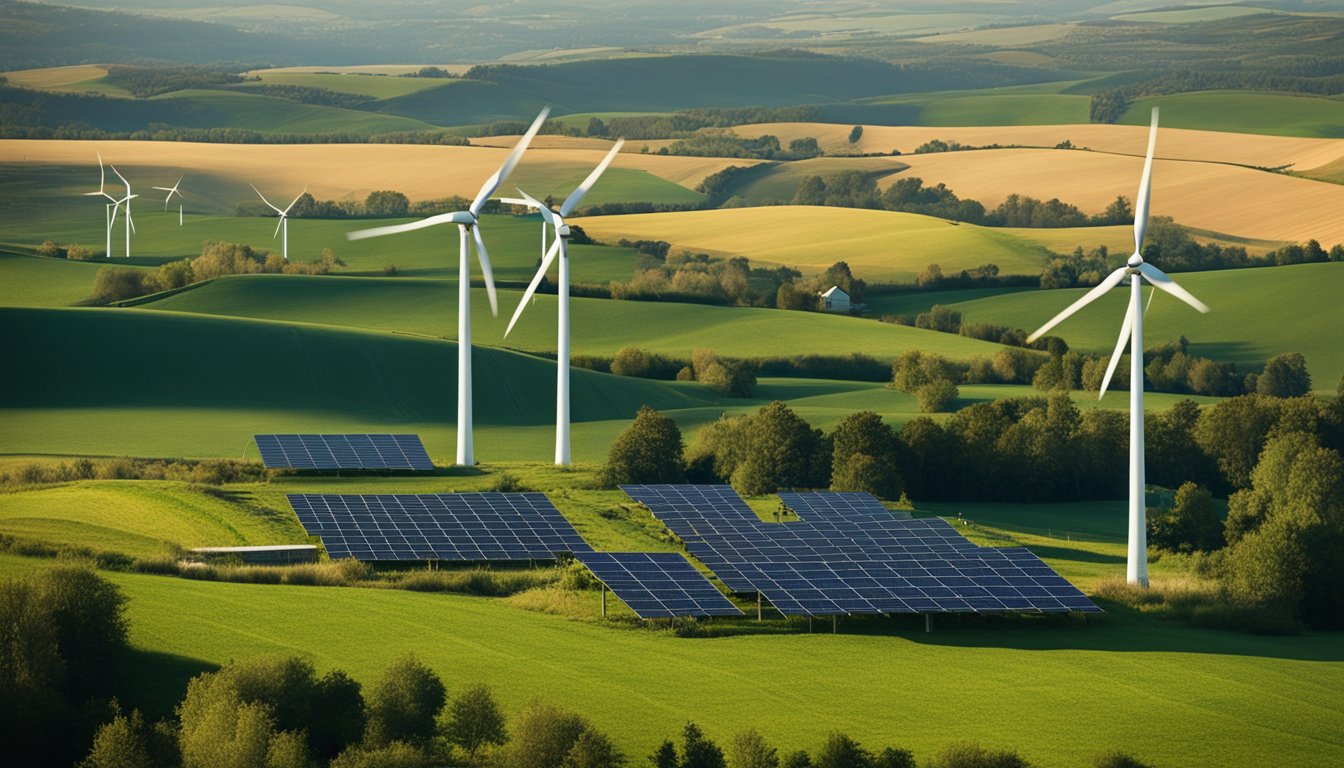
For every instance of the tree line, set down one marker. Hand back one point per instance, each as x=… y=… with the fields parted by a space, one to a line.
x=217 y=259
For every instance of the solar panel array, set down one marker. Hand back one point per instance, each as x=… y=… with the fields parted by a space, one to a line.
x=343 y=452
x=470 y=527
x=844 y=557
x=657 y=584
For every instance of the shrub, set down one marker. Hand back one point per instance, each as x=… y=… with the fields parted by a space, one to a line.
x=976 y=756
x=1119 y=760
x=749 y=749
x=937 y=395
x=1285 y=375
x=128 y=742
x=404 y=704
x=118 y=283
x=1190 y=524
x=543 y=736
x=398 y=754
x=78 y=253
x=648 y=451
x=697 y=751
x=593 y=750
x=88 y=615
x=840 y=751
x=731 y=378
x=474 y=720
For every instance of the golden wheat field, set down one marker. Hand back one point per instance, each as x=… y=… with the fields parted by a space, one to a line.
x=342 y=170
x=878 y=245
x=54 y=77
x=1222 y=198
x=1300 y=154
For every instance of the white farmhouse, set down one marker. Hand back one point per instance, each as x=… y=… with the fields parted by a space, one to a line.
x=835 y=300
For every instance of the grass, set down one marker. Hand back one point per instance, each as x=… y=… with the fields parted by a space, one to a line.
x=1246 y=112
x=1192 y=15
x=1270 y=699
x=80 y=78
x=777 y=182
x=230 y=109
x=372 y=86
x=882 y=246
x=1040 y=104
x=1217 y=197
x=1255 y=313
x=33 y=281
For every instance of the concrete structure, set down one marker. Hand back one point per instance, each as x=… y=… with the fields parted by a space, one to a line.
x=835 y=300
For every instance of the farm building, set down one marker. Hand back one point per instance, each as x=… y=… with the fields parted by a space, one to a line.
x=835 y=300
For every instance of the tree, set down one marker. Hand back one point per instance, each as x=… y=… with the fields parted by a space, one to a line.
x=863 y=456
x=596 y=127
x=697 y=751
x=731 y=378
x=665 y=756
x=805 y=147
x=338 y=717
x=782 y=451
x=128 y=742
x=398 y=754
x=118 y=283
x=840 y=751
x=1015 y=365
x=386 y=203
x=648 y=451
x=937 y=396
x=593 y=750
x=794 y=295
x=1119 y=760
x=750 y=750
x=1192 y=524
x=219 y=730
x=855 y=134
x=543 y=736
x=1234 y=431
x=811 y=191
x=404 y=704
x=1285 y=375
x=474 y=720
x=88 y=615
x=797 y=759
x=931 y=277
x=894 y=758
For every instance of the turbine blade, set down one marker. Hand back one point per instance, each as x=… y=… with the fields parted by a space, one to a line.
x=494 y=181
x=1145 y=188
x=1149 y=305
x=123 y=178
x=457 y=217
x=483 y=256
x=532 y=286
x=130 y=219
x=278 y=225
x=102 y=173
x=509 y=200
x=547 y=215
x=1160 y=281
x=296 y=199
x=1110 y=282
x=263 y=198
x=1125 y=329
x=582 y=189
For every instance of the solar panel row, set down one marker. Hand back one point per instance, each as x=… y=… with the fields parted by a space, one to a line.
x=847 y=554
x=657 y=584
x=343 y=452
x=469 y=527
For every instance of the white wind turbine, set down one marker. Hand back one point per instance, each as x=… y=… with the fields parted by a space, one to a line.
x=130 y=222
x=173 y=191
x=561 y=248
x=283 y=225
x=1136 y=270
x=468 y=229
x=109 y=207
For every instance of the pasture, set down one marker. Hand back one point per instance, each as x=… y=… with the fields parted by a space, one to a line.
x=1246 y=112
x=373 y=86
x=1298 y=153
x=1228 y=199
x=880 y=246
x=1255 y=313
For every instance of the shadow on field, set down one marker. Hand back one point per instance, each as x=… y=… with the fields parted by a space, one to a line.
x=154 y=682
x=1047 y=552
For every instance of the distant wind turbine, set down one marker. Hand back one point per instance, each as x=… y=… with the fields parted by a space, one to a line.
x=130 y=222
x=109 y=207
x=1136 y=270
x=468 y=229
x=560 y=248
x=173 y=191
x=282 y=226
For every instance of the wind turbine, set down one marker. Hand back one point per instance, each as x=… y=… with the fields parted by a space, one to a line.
x=468 y=229
x=561 y=248
x=173 y=191
x=109 y=207
x=528 y=204
x=283 y=224
x=1136 y=271
x=130 y=222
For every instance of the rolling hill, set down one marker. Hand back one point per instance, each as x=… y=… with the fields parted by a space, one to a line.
x=1255 y=313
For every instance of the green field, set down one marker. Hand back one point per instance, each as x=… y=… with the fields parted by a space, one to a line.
x=1043 y=104
x=778 y=182
x=1192 y=15
x=1128 y=682
x=1276 y=114
x=372 y=86
x=1255 y=313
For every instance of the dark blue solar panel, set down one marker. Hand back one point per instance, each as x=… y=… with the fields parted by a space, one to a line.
x=657 y=584
x=848 y=555
x=343 y=452
x=474 y=527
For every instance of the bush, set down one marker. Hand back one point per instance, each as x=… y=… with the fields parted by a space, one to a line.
x=398 y=754
x=119 y=283
x=750 y=750
x=648 y=451
x=1119 y=760
x=1191 y=524
x=730 y=378
x=976 y=756
x=937 y=396
x=474 y=720
x=404 y=704
x=88 y=618
x=840 y=751
x=632 y=361
x=78 y=253
x=1285 y=375
x=543 y=736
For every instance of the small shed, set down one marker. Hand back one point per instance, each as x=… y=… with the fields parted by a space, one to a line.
x=835 y=300
x=276 y=554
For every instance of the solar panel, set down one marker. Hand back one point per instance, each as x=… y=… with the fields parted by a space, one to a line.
x=848 y=555
x=343 y=452
x=469 y=527
x=657 y=584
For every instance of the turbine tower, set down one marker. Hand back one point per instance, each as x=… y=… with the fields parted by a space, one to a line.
x=108 y=208
x=173 y=191
x=1131 y=331
x=283 y=225
x=130 y=222
x=561 y=248
x=468 y=229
